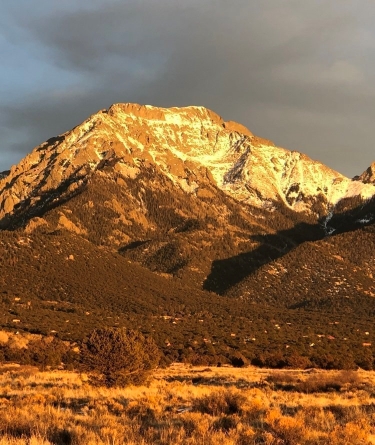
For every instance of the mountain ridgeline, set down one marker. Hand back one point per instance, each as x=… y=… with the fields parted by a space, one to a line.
x=194 y=230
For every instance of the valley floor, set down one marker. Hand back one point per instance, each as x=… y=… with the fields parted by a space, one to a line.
x=189 y=405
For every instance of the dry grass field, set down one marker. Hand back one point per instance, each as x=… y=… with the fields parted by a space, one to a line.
x=186 y=405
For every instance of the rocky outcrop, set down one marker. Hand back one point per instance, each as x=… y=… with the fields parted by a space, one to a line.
x=368 y=176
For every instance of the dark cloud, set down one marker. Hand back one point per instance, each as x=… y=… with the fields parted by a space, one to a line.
x=299 y=73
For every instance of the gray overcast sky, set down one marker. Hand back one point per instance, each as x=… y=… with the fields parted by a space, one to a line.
x=300 y=73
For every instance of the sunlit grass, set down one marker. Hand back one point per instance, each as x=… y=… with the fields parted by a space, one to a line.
x=184 y=405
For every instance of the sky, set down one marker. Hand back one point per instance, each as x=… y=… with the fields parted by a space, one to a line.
x=299 y=73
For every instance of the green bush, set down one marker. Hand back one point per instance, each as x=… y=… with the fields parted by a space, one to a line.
x=118 y=356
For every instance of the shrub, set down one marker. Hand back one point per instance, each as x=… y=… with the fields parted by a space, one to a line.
x=117 y=357
x=225 y=423
x=329 y=383
x=297 y=361
x=225 y=402
x=285 y=430
x=282 y=380
x=47 y=352
x=352 y=433
x=238 y=360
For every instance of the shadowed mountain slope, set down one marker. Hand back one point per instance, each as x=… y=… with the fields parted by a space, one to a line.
x=332 y=274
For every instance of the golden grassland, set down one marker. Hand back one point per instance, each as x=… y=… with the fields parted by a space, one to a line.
x=186 y=405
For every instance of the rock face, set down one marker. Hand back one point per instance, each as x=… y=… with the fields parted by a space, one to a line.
x=368 y=176
x=192 y=147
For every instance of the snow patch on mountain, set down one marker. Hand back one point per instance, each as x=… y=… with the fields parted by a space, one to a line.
x=350 y=189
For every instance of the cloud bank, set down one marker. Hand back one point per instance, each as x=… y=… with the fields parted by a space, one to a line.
x=298 y=73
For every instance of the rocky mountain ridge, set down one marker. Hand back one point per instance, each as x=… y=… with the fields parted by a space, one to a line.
x=192 y=147
x=368 y=176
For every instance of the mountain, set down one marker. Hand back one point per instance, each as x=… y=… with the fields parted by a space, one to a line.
x=191 y=147
x=145 y=216
x=368 y=176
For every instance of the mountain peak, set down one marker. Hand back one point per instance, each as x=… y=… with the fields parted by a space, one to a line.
x=368 y=176
x=188 y=146
x=168 y=115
